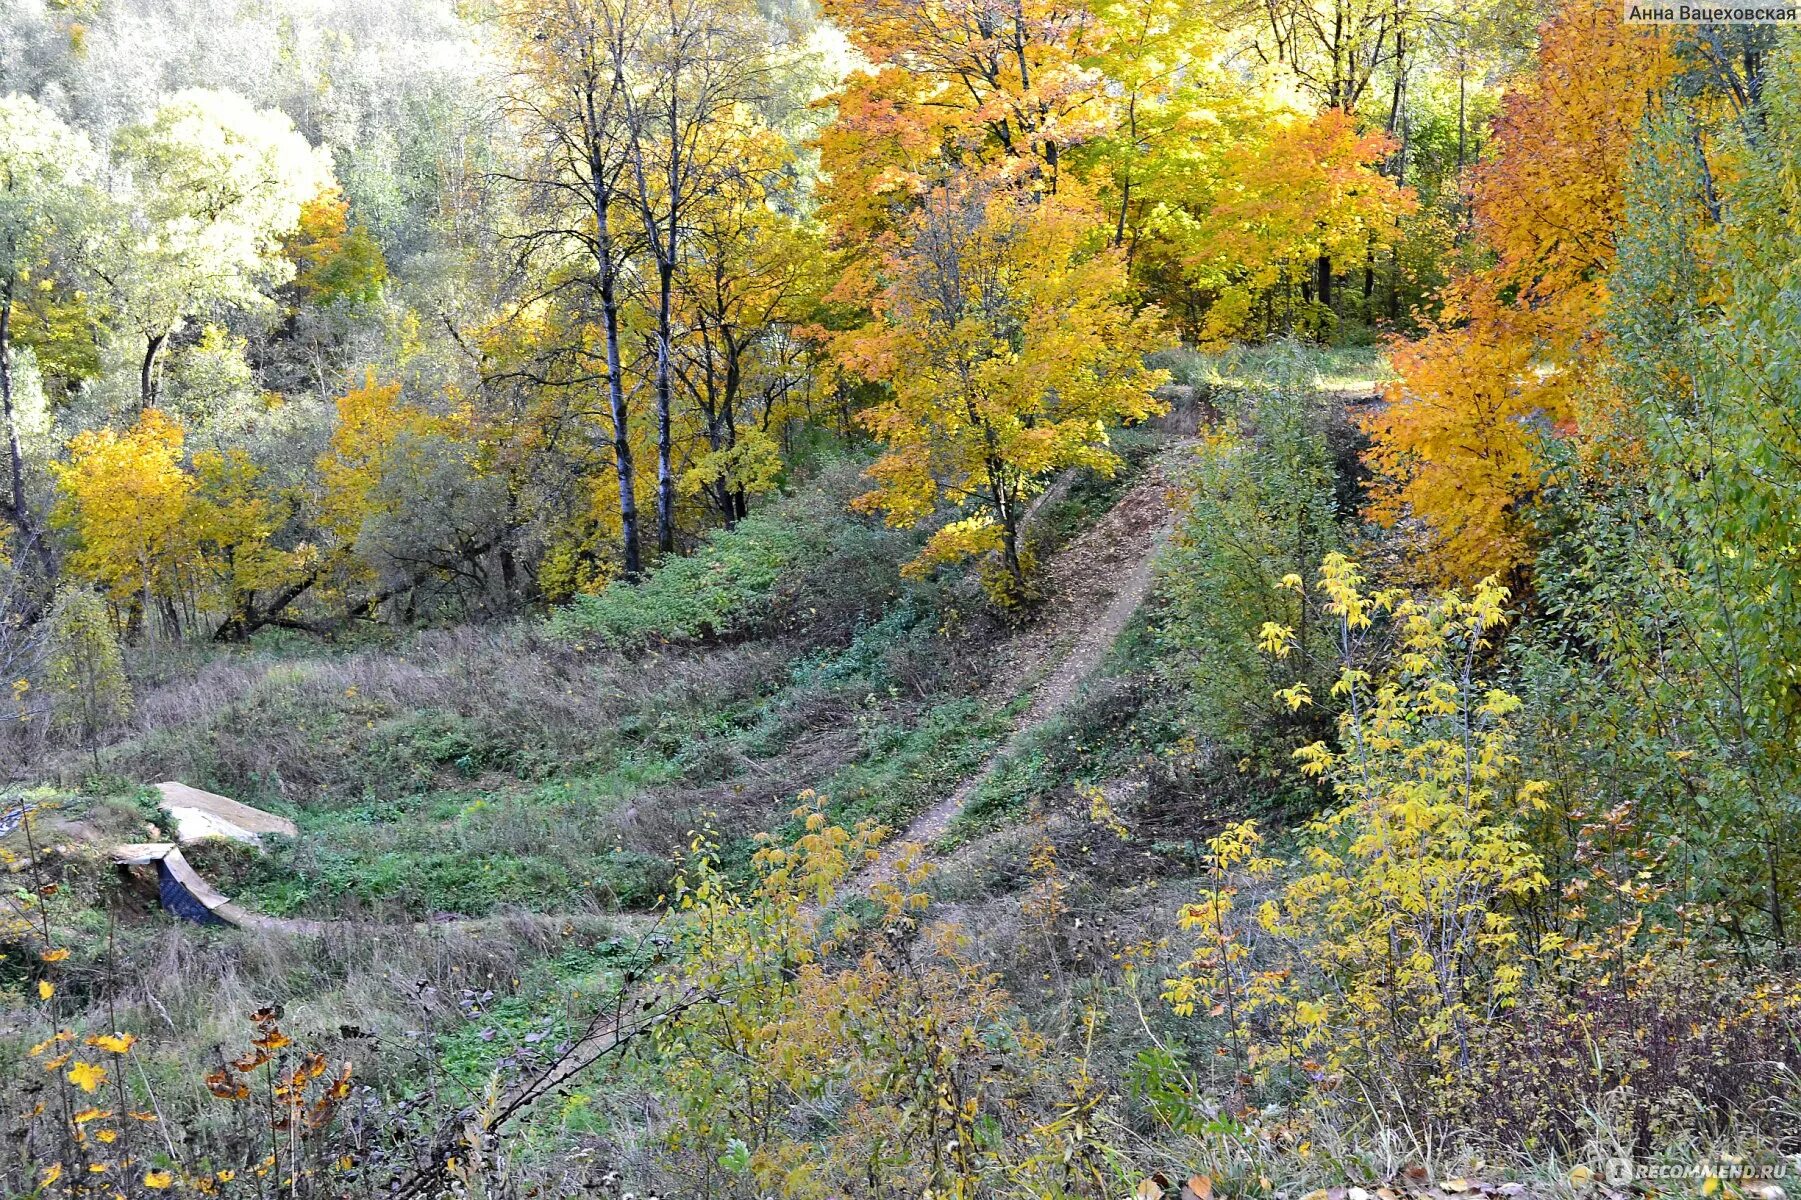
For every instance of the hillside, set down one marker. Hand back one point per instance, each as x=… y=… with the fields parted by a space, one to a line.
x=1060 y=599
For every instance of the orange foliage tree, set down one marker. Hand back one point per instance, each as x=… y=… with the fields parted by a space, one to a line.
x=1515 y=356
x=954 y=84
x=1216 y=190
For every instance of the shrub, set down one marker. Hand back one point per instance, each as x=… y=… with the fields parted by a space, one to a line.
x=803 y=557
x=89 y=691
x=1260 y=507
x=723 y=588
x=1399 y=919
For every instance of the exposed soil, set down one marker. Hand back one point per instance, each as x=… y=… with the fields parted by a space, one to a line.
x=1094 y=587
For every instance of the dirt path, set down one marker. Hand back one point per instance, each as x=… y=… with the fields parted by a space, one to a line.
x=1096 y=584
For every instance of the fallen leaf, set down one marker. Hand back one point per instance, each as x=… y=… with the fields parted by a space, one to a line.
x=1148 y=1189
x=1198 y=1187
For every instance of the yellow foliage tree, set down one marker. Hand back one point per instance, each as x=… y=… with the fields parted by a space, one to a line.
x=202 y=535
x=149 y=525
x=1007 y=351
x=125 y=498
x=235 y=520
x=334 y=258
x=376 y=431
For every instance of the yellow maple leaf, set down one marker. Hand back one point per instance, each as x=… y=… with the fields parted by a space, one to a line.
x=158 y=1179
x=87 y=1076
x=115 y=1043
x=45 y=989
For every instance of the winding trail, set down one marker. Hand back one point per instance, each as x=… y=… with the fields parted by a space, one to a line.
x=1096 y=585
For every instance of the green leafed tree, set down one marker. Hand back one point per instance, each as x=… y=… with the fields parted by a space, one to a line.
x=43 y=168
x=86 y=673
x=1261 y=508
x=210 y=188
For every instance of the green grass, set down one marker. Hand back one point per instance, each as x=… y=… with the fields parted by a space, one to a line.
x=546 y=1004
x=1340 y=368
x=904 y=768
x=557 y=843
x=725 y=587
x=542 y=848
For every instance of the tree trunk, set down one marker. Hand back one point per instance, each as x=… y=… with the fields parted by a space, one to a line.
x=509 y=576
x=1322 y=286
x=147 y=389
x=1394 y=284
x=1009 y=519
x=26 y=532
x=1462 y=109
x=1394 y=103
x=1125 y=185
x=622 y=447
x=171 y=619
x=665 y=334
x=737 y=505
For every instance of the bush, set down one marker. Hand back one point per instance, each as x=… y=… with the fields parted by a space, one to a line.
x=723 y=588
x=1261 y=507
x=805 y=556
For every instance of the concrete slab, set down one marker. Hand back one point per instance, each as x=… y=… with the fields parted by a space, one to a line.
x=199 y=814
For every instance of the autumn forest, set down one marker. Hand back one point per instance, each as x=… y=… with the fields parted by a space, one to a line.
x=1146 y=599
